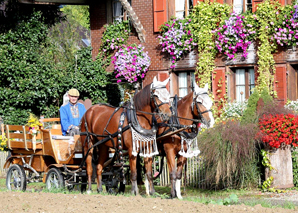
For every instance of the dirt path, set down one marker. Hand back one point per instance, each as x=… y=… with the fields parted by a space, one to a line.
x=60 y=203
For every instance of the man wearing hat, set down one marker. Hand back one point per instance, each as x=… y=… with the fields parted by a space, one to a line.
x=71 y=114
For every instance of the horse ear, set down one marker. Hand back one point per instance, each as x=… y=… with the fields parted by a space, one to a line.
x=206 y=87
x=197 y=89
x=165 y=82
x=154 y=82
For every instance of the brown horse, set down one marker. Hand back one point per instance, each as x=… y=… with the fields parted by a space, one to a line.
x=191 y=109
x=101 y=121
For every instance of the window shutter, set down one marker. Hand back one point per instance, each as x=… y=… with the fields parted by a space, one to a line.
x=282 y=2
x=281 y=83
x=219 y=83
x=160 y=13
x=195 y=2
x=255 y=5
x=163 y=76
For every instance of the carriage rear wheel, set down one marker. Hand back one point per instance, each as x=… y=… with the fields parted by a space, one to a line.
x=54 y=179
x=16 y=178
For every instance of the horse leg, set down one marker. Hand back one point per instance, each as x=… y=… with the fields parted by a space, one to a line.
x=170 y=153
x=103 y=152
x=148 y=177
x=89 y=170
x=180 y=163
x=133 y=174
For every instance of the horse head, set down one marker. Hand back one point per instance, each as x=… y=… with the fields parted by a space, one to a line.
x=161 y=98
x=203 y=104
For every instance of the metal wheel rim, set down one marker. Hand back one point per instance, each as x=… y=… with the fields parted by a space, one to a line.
x=53 y=181
x=15 y=180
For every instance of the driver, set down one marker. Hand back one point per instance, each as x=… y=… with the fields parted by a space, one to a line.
x=71 y=114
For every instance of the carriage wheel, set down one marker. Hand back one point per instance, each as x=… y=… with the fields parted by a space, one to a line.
x=54 y=179
x=84 y=186
x=16 y=178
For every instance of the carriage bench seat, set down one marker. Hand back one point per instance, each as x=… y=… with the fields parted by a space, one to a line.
x=19 y=138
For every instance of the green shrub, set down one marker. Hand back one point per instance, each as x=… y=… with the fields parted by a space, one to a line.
x=250 y=115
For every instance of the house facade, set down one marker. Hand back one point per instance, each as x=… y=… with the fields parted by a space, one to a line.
x=233 y=78
x=237 y=77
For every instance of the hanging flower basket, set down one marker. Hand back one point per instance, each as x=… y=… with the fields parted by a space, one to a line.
x=234 y=36
x=131 y=62
x=176 y=39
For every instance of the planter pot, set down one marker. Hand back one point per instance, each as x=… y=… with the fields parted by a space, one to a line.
x=281 y=161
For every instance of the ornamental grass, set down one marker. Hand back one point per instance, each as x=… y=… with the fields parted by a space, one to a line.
x=230 y=151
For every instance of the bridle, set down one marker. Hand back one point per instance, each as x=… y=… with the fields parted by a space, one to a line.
x=200 y=113
x=157 y=106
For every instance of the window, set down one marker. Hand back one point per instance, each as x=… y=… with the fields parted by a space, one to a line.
x=244 y=83
x=241 y=6
x=183 y=7
x=118 y=11
x=186 y=81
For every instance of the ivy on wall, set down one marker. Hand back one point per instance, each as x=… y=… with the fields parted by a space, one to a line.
x=205 y=18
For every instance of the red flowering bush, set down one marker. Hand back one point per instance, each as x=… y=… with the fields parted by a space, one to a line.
x=278 y=130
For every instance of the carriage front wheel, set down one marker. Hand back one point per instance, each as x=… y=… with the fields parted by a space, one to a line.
x=16 y=178
x=54 y=179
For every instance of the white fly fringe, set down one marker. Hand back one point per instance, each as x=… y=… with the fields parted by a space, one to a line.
x=192 y=147
x=148 y=148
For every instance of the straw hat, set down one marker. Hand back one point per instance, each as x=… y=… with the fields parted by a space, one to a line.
x=73 y=92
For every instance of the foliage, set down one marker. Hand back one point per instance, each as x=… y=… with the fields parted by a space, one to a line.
x=249 y=115
x=33 y=76
x=292 y=105
x=3 y=143
x=285 y=28
x=232 y=199
x=267 y=14
x=279 y=130
x=131 y=62
x=176 y=39
x=234 y=110
x=230 y=154
x=14 y=12
x=205 y=17
x=295 y=166
x=234 y=36
x=79 y=13
x=114 y=36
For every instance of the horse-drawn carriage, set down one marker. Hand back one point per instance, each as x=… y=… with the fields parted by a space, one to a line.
x=48 y=157
x=66 y=161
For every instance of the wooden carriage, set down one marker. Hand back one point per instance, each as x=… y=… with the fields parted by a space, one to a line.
x=47 y=156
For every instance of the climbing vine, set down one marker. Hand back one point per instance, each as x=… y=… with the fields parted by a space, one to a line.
x=267 y=15
x=205 y=18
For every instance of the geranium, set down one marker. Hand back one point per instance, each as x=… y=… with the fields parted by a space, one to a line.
x=286 y=29
x=279 y=130
x=234 y=36
x=131 y=62
x=34 y=124
x=176 y=39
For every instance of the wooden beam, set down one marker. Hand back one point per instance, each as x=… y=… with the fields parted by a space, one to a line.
x=58 y=2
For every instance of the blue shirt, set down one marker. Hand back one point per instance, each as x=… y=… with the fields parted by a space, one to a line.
x=71 y=115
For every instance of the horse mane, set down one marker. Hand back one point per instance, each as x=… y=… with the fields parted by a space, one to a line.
x=142 y=98
x=184 y=99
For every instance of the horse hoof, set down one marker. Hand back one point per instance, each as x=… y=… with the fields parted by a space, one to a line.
x=180 y=197
x=88 y=192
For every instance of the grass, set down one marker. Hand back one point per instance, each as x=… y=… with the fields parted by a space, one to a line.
x=220 y=197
